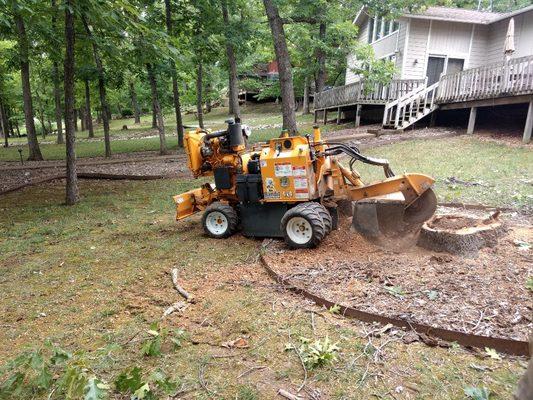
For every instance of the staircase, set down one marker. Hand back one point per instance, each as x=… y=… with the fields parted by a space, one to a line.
x=411 y=107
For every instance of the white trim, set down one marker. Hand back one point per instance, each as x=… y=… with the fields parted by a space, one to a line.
x=467 y=61
x=385 y=37
x=427 y=47
x=429 y=18
x=512 y=14
x=405 y=47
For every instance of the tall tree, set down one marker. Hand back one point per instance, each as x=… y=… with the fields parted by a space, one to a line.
x=101 y=87
x=88 y=114
x=72 y=191
x=3 y=126
x=157 y=109
x=134 y=102
x=199 y=94
x=284 y=66
x=173 y=72
x=33 y=144
x=232 y=62
x=57 y=83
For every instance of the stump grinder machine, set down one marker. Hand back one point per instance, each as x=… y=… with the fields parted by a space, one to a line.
x=292 y=187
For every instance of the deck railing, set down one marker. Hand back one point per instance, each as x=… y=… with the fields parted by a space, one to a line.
x=506 y=78
x=361 y=92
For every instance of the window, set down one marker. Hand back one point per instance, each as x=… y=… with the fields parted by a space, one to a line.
x=380 y=27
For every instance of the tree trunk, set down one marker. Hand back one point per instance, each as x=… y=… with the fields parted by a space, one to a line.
x=72 y=193
x=157 y=109
x=75 y=120
x=17 y=127
x=306 y=97
x=232 y=62
x=321 y=60
x=33 y=144
x=57 y=84
x=89 y=117
x=175 y=91
x=284 y=66
x=82 y=118
x=199 y=96
x=101 y=89
x=135 y=103
x=154 y=117
x=3 y=125
x=57 y=100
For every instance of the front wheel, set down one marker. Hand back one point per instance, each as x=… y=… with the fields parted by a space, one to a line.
x=220 y=220
x=302 y=227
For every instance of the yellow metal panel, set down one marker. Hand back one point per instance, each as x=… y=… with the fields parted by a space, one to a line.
x=186 y=203
x=287 y=171
x=193 y=143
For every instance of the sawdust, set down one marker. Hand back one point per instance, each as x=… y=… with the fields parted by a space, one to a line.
x=485 y=295
x=453 y=223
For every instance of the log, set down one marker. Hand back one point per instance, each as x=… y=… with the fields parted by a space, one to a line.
x=288 y=395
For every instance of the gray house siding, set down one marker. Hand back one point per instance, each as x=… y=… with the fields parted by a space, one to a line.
x=478 y=51
x=414 y=66
x=523 y=37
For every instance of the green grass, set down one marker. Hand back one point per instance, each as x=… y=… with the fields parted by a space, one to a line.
x=502 y=175
x=91 y=276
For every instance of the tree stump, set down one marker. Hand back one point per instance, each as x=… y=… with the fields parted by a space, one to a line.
x=124 y=127
x=460 y=235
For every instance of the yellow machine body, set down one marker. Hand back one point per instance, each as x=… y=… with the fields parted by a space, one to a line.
x=273 y=177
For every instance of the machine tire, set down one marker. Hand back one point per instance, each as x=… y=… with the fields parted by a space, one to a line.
x=323 y=212
x=220 y=220
x=299 y=220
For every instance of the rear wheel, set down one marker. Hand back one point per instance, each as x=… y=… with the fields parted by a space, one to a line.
x=302 y=227
x=220 y=220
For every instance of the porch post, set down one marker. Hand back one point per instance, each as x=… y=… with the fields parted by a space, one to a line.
x=325 y=116
x=339 y=112
x=358 y=115
x=471 y=121
x=529 y=123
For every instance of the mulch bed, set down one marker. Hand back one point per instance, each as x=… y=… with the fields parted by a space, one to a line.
x=484 y=295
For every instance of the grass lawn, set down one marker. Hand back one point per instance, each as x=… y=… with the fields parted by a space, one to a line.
x=92 y=278
x=265 y=120
x=499 y=175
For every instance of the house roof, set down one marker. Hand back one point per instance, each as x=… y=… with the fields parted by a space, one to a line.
x=454 y=14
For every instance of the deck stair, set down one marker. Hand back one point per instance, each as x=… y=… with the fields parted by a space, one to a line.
x=411 y=107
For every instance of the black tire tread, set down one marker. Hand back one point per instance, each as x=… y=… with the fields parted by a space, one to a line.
x=229 y=212
x=317 y=225
x=323 y=212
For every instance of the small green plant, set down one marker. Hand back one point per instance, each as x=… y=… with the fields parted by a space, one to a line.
x=396 y=291
x=131 y=381
x=476 y=393
x=529 y=283
x=316 y=354
x=335 y=309
x=152 y=345
x=492 y=353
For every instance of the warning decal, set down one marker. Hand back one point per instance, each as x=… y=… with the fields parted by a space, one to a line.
x=283 y=169
x=298 y=171
x=300 y=183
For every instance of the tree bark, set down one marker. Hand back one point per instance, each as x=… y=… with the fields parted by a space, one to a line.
x=175 y=90
x=88 y=114
x=3 y=125
x=75 y=120
x=82 y=118
x=135 y=103
x=284 y=66
x=157 y=109
x=321 y=60
x=57 y=84
x=305 y=107
x=72 y=192
x=33 y=144
x=101 y=89
x=199 y=95
x=154 y=117
x=232 y=62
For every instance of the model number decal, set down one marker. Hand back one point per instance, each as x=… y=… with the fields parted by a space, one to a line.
x=272 y=195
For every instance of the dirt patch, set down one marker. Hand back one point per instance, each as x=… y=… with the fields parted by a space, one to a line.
x=455 y=222
x=485 y=295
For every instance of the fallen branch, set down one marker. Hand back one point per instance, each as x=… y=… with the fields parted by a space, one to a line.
x=186 y=295
x=288 y=395
x=177 y=306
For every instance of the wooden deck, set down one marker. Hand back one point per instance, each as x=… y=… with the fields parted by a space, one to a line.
x=504 y=79
x=361 y=93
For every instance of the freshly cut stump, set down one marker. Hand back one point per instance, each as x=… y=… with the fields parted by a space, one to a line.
x=459 y=234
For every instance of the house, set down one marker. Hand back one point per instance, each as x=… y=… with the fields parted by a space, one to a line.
x=445 y=58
